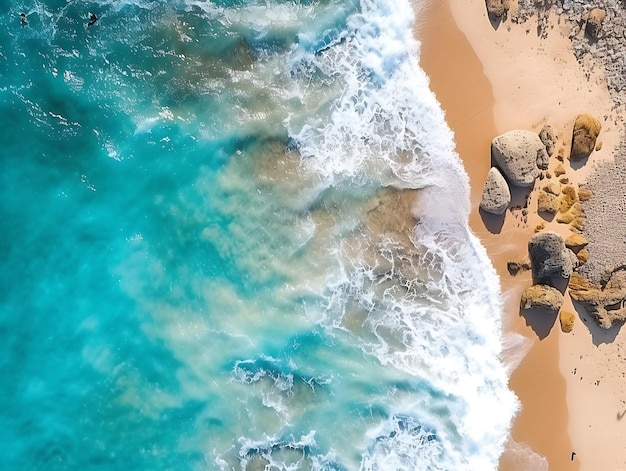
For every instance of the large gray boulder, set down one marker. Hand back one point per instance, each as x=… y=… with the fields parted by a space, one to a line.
x=520 y=155
x=549 y=257
x=496 y=194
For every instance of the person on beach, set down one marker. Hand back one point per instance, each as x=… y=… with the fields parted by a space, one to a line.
x=23 y=19
x=92 y=19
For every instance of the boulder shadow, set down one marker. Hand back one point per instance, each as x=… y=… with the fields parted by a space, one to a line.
x=598 y=334
x=556 y=282
x=579 y=163
x=519 y=196
x=492 y=222
x=540 y=321
x=546 y=216
x=495 y=21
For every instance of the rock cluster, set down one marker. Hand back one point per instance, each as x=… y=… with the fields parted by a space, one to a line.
x=604 y=22
x=608 y=304
x=521 y=155
x=598 y=37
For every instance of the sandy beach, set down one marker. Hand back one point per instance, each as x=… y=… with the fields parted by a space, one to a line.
x=492 y=77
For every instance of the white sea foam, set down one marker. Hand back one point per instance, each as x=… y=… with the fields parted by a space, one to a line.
x=362 y=117
x=441 y=320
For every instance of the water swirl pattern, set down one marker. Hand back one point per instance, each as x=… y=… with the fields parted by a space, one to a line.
x=234 y=237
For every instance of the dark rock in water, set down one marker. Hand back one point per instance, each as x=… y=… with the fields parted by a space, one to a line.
x=542 y=297
x=520 y=155
x=496 y=194
x=586 y=130
x=548 y=138
x=549 y=257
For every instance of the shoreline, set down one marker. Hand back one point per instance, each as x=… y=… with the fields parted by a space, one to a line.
x=491 y=79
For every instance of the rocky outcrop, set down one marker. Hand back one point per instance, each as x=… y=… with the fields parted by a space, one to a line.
x=567 y=320
x=594 y=22
x=542 y=297
x=548 y=138
x=606 y=304
x=496 y=194
x=549 y=258
x=586 y=130
x=497 y=8
x=520 y=155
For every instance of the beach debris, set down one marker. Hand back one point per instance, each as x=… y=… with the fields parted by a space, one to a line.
x=586 y=130
x=548 y=137
x=542 y=297
x=496 y=195
x=567 y=319
x=607 y=305
x=520 y=155
x=549 y=258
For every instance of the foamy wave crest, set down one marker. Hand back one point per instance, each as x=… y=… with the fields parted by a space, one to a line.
x=403 y=445
x=376 y=125
x=284 y=454
x=431 y=305
x=521 y=457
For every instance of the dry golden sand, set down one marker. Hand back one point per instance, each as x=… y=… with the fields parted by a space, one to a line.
x=490 y=80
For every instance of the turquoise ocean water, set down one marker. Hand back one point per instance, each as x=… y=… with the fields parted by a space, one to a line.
x=203 y=258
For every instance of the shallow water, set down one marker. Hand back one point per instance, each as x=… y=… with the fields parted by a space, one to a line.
x=235 y=237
